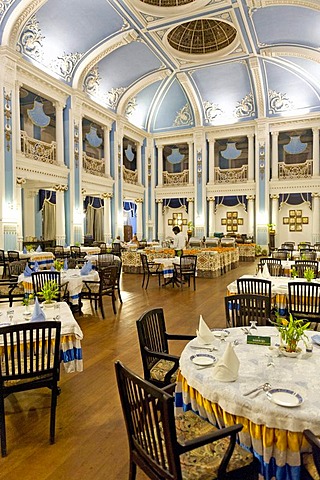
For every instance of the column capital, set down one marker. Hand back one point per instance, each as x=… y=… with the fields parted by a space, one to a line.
x=20 y=181
x=274 y=196
x=106 y=195
x=211 y=199
x=190 y=199
x=159 y=200
x=250 y=197
x=60 y=188
x=274 y=134
x=315 y=130
x=250 y=135
x=315 y=194
x=139 y=200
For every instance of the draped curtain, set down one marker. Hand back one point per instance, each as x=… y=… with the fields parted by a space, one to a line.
x=49 y=220
x=94 y=218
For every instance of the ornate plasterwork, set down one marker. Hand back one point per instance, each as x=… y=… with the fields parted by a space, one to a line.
x=113 y=97
x=64 y=66
x=4 y=5
x=211 y=111
x=131 y=106
x=184 y=117
x=8 y=119
x=31 y=40
x=278 y=102
x=92 y=81
x=245 y=108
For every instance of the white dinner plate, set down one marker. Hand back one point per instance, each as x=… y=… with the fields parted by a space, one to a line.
x=217 y=332
x=284 y=397
x=316 y=339
x=5 y=325
x=203 y=359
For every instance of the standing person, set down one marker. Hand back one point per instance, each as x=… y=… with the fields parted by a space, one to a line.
x=179 y=241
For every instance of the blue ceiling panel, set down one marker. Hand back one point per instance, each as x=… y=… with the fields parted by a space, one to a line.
x=287 y=25
x=123 y=66
x=75 y=26
x=307 y=67
x=144 y=100
x=174 y=101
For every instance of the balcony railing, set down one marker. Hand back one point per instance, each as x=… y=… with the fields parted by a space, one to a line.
x=130 y=176
x=295 y=170
x=231 y=175
x=38 y=150
x=93 y=165
x=181 y=178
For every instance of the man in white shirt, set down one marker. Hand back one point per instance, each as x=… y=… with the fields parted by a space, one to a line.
x=179 y=241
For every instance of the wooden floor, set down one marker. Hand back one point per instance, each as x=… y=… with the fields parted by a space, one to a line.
x=90 y=433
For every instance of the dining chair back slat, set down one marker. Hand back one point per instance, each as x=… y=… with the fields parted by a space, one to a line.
x=301 y=266
x=241 y=309
x=256 y=286
x=304 y=301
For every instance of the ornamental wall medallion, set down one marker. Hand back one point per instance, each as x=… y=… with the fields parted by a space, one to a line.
x=4 y=6
x=211 y=111
x=184 y=117
x=92 y=81
x=278 y=102
x=245 y=108
x=131 y=106
x=30 y=41
x=64 y=66
x=113 y=97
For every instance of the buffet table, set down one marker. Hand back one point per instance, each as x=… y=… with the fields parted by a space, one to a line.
x=272 y=432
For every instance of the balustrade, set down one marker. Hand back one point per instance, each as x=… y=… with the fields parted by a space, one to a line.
x=93 y=165
x=38 y=150
x=231 y=175
x=180 y=178
x=295 y=170
x=130 y=176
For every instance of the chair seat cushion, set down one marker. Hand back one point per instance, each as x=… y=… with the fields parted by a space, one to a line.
x=160 y=369
x=203 y=462
x=309 y=465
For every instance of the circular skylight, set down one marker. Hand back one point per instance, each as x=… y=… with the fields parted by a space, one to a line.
x=202 y=37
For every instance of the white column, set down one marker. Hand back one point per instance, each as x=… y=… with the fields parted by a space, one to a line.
x=139 y=167
x=60 y=214
x=29 y=213
x=250 y=209
x=19 y=182
x=315 y=153
x=160 y=235
x=191 y=210
x=315 y=217
x=139 y=202
x=59 y=133
x=212 y=217
x=107 y=217
x=160 y=165
x=211 y=161
x=275 y=210
x=250 y=157
x=106 y=148
x=274 y=165
x=18 y=126
x=191 y=163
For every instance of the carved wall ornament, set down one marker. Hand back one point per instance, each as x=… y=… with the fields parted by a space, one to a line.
x=106 y=195
x=184 y=117
x=60 y=188
x=278 y=102
x=91 y=82
x=245 y=108
x=4 y=6
x=20 y=181
x=211 y=111
x=113 y=97
x=76 y=143
x=7 y=119
x=30 y=42
x=65 y=65
x=131 y=106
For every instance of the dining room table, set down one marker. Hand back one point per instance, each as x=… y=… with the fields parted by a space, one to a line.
x=283 y=403
x=71 y=333
x=167 y=268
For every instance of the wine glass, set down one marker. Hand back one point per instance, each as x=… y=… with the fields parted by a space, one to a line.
x=10 y=314
x=253 y=327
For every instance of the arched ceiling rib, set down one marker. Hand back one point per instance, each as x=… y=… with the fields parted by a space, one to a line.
x=118 y=52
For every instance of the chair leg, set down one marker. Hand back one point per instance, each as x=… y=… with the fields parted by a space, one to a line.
x=101 y=306
x=120 y=299
x=132 y=471
x=144 y=276
x=147 y=281
x=54 y=395
x=114 y=303
x=3 y=429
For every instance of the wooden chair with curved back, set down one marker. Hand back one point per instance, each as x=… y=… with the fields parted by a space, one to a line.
x=241 y=309
x=104 y=287
x=301 y=266
x=186 y=270
x=164 y=446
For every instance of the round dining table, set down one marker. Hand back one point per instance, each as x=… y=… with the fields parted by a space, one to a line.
x=272 y=431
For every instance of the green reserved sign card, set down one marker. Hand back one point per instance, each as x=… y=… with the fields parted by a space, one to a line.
x=258 y=340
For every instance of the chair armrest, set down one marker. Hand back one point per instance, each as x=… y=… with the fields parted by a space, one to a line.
x=170 y=389
x=162 y=355
x=312 y=438
x=173 y=336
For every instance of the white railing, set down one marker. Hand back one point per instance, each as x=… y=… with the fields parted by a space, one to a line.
x=130 y=176
x=38 y=150
x=295 y=170
x=181 y=178
x=93 y=165
x=231 y=175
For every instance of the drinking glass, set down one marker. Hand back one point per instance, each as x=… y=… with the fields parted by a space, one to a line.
x=253 y=327
x=10 y=314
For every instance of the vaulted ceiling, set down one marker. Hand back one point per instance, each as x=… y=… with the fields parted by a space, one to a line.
x=174 y=64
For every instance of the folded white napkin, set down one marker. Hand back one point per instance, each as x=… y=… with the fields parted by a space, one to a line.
x=204 y=334
x=227 y=368
x=38 y=314
x=265 y=271
x=259 y=274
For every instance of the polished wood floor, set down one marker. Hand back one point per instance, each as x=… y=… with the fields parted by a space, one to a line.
x=91 y=441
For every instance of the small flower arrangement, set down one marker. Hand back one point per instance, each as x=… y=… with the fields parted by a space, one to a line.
x=294 y=272
x=49 y=291
x=27 y=299
x=309 y=274
x=58 y=265
x=291 y=331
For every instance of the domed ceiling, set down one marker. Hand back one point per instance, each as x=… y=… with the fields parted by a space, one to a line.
x=174 y=64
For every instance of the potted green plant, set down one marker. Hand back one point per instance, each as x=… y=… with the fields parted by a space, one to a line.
x=190 y=229
x=58 y=265
x=26 y=302
x=293 y=272
x=291 y=332
x=308 y=274
x=49 y=292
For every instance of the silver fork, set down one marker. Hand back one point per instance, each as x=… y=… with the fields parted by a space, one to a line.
x=209 y=349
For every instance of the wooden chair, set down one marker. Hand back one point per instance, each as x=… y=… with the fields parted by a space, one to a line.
x=158 y=365
x=39 y=279
x=13 y=256
x=105 y=287
x=316 y=246
x=163 y=446
x=274 y=266
x=308 y=254
x=30 y=360
x=59 y=252
x=75 y=252
x=256 y=286
x=186 y=270
x=281 y=254
x=304 y=301
x=242 y=309
x=311 y=462
x=150 y=269
x=301 y=266
x=116 y=249
x=3 y=263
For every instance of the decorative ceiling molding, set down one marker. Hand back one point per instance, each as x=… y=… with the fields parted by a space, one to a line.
x=258 y=86
x=184 y=117
x=245 y=107
x=288 y=51
x=193 y=97
x=19 y=17
x=4 y=6
x=279 y=102
x=65 y=65
x=31 y=40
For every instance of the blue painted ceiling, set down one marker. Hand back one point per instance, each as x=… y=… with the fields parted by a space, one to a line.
x=117 y=52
